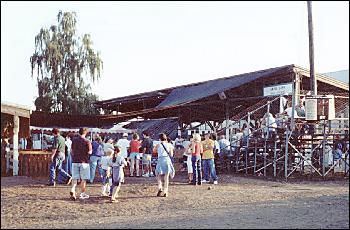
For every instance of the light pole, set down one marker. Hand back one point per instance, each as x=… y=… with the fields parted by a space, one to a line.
x=313 y=80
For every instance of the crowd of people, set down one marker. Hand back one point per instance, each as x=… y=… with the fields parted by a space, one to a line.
x=75 y=159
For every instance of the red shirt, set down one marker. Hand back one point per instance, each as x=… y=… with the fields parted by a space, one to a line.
x=134 y=146
x=197 y=148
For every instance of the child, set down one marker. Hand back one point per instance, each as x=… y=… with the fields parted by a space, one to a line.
x=117 y=163
x=106 y=169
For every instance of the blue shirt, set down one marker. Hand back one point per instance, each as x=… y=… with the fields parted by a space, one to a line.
x=97 y=149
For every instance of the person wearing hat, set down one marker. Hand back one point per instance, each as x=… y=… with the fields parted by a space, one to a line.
x=124 y=144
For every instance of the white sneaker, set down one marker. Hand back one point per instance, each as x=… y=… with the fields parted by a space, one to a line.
x=151 y=174
x=205 y=181
x=145 y=175
x=84 y=196
x=104 y=194
x=215 y=182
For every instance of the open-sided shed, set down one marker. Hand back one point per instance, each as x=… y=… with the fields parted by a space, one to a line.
x=215 y=100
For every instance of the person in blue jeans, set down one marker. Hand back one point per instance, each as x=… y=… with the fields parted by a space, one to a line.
x=208 y=159
x=57 y=158
x=67 y=163
x=197 y=150
x=95 y=158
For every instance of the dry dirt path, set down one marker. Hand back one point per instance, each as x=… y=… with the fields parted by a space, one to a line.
x=236 y=202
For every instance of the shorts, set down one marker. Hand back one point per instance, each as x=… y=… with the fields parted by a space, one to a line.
x=135 y=155
x=81 y=171
x=189 y=164
x=105 y=178
x=146 y=159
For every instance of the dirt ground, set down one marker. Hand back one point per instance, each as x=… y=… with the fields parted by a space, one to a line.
x=236 y=202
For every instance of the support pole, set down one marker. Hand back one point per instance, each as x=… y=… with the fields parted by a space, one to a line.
x=274 y=159
x=255 y=152
x=311 y=49
x=15 y=144
x=41 y=139
x=324 y=149
x=247 y=147
x=286 y=155
x=289 y=132
x=267 y=135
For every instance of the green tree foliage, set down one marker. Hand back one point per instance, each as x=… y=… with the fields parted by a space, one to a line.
x=65 y=63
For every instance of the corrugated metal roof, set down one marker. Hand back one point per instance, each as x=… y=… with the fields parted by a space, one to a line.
x=186 y=94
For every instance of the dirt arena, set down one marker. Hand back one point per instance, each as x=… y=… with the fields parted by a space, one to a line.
x=236 y=202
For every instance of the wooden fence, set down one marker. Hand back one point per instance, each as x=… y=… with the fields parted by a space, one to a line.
x=34 y=163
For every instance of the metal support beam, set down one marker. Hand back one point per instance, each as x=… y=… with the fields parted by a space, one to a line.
x=311 y=49
x=15 y=144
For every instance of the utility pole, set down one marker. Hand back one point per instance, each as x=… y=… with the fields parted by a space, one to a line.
x=313 y=80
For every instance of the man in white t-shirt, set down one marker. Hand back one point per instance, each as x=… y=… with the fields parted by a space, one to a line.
x=124 y=144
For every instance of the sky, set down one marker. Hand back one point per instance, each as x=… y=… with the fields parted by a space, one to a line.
x=147 y=46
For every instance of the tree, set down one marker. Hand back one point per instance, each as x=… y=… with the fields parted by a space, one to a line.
x=64 y=62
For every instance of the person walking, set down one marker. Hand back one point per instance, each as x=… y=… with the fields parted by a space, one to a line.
x=81 y=150
x=57 y=158
x=95 y=158
x=117 y=163
x=67 y=163
x=106 y=172
x=164 y=168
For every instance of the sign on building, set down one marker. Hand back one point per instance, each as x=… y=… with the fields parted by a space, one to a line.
x=319 y=107
x=280 y=89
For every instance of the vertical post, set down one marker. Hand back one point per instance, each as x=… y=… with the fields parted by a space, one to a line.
x=41 y=139
x=15 y=144
x=297 y=89
x=267 y=135
x=324 y=149
x=228 y=135
x=293 y=106
x=311 y=49
x=274 y=159
x=247 y=147
x=289 y=132
x=286 y=155
x=255 y=152
x=227 y=121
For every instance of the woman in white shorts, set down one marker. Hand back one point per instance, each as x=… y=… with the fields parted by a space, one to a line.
x=188 y=153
